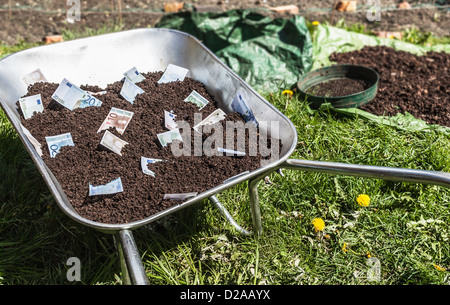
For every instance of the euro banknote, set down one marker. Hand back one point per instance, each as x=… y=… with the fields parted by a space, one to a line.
x=117 y=118
x=31 y=105
x=215 y=117
x=34 y=77
x=197 y=99
x=130 y=90
x=173 y=73
x=144 y=165
x=240 y=106
x=180 y=196
x=169 y=136
x=72 y=97
x=134 y=76
x=169 y=120
x=113 y=143
x=231 y=152
x=56 y=142
x=112 y=187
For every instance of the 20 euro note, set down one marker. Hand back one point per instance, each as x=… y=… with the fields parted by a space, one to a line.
x=113 y=143
x=71 y=96
x=134 y=76
x=169 y=136
x=56 y=142
x=197 y=99
x=117 y=118
x=30 y=105
x=173 y=73
x=144 y=165
x=130 y=90
x=112 y=187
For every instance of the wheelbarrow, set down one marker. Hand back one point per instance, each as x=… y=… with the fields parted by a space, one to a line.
x=101 y=60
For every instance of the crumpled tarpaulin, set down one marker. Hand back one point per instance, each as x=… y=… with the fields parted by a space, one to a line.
x=267 y=53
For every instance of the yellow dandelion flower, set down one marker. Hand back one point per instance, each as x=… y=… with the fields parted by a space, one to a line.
x=344 y=248
x=439 y=267
x=368 y=254
x=315 y=23
x=363 y=200
x=318 y=224
x=289 y=92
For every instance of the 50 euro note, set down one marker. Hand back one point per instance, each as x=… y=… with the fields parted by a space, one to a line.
x=117 y=118
x=72 y=97
x=112 y=187
x=113 y=143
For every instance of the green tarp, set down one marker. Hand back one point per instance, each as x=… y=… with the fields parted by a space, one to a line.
x=267 y=53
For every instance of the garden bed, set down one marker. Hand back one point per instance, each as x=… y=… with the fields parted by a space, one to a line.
x=89 y=163
x=419 y=85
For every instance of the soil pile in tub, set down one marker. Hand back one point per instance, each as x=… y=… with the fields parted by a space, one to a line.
x=141 y=175
x=417 y=84
x=338 y=87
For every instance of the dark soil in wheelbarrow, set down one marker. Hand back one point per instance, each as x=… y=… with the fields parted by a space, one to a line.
x=75 y=167
x=419 y=85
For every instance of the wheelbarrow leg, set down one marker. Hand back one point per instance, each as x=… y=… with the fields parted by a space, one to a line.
x=254 y=201
x=132 y=267
x=228 y=216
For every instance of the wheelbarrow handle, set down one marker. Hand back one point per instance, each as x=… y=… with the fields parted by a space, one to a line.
x=367 y=171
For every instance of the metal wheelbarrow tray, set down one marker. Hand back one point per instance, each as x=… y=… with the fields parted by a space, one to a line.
x=99 y=60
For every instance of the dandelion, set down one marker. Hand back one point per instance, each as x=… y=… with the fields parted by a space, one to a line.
x=288 y=92
x=315 y=23
x=318 y=224
x=363 y=200
x=368 y=254
x=439 y=267
x=344 y=248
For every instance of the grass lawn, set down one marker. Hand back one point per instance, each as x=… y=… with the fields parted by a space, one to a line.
x=404 y=229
